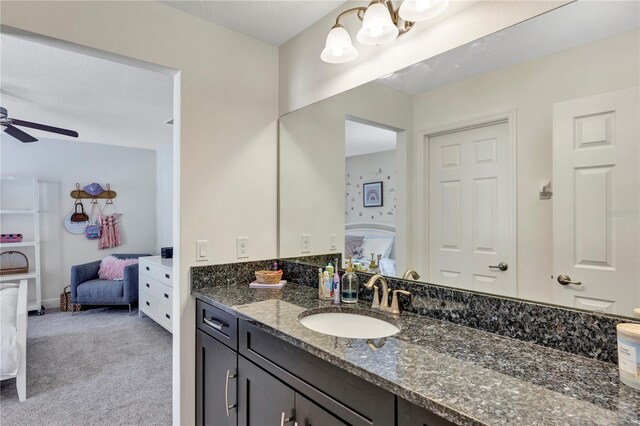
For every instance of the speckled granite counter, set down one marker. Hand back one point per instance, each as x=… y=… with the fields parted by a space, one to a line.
x=462 y=374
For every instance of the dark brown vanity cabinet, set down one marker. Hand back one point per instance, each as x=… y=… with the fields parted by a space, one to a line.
x=216 y=382
x=412 y=415
x=248 y=377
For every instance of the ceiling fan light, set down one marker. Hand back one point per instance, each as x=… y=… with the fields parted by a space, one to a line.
x=377 y=26
x=421 y=10
x=338 y=47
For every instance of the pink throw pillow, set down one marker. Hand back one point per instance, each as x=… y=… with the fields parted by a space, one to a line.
x=112 y=268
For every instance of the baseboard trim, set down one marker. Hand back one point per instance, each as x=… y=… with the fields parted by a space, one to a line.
x=51 y=303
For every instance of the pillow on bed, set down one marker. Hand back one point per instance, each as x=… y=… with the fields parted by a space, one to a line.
x=351 y=242
x=377 y=245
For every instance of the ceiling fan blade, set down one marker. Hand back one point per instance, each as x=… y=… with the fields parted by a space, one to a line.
x=44 y=127
x=19 y=134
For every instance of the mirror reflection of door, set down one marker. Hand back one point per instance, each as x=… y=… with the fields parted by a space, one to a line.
x=471 y=208
x=596 y=154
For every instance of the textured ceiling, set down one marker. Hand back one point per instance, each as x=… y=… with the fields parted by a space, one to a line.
x=363 y=139
x=273 y=21
x=564 y=28
x=104 y=101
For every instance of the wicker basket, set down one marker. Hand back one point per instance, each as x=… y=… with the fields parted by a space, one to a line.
x=13 y=262
x=268 y=277
x=65 y=301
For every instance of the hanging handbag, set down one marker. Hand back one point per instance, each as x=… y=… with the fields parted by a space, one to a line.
x=79 y=216
x=93 y=231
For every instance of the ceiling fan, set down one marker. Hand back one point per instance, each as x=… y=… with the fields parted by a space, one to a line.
x=10 y=128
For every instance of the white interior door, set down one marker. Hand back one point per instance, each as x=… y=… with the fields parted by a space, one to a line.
x=470 y=210
x=596 y=163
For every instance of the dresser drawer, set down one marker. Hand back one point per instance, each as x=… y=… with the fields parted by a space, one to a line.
x=156 y=272
x=160 y=291
x=165 y=317
x=148 y=304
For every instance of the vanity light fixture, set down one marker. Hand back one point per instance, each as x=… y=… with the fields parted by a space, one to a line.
x=381 y=23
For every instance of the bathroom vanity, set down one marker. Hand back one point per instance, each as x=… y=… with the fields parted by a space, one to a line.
x=256 y=364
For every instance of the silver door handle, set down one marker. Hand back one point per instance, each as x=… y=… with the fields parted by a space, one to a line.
x=226 y=392
x=283 y=420
x=566 y=280
x=502 y=266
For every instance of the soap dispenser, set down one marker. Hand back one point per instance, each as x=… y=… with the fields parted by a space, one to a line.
x=350 y=284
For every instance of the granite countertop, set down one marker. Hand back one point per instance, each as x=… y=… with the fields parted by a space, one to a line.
x=465 y=375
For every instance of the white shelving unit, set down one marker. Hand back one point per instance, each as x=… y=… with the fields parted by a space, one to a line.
x=35 y=297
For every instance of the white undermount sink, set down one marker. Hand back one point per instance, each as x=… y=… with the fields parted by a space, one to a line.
x=351 y=325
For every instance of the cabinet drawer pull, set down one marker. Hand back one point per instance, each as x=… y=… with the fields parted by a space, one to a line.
x=148 y=304
x=283 y=420
x=168 y=316
x=167 y=276
x=214 y=324
x=166 y=295
x=146 y=267
x=226 y=392
x=148 y=286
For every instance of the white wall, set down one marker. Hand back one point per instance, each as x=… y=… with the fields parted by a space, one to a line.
x=164 y=197
x=228 y=99
x=59 y=165
x=531 y=87
x=305 y=79
x=374 y=167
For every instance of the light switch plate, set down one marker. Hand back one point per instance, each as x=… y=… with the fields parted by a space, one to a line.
x=202 y=250
x=242 y=247
x=333 y=242
x=305 y=241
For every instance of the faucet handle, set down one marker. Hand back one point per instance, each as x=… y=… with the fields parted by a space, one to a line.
x=376 y=298
x=395 y=306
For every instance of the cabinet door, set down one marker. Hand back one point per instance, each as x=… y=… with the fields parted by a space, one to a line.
x=216 y=382
x=262 y=399
x=412 y=415
x=310 y=414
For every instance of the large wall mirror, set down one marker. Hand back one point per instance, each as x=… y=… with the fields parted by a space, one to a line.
x=509 y=165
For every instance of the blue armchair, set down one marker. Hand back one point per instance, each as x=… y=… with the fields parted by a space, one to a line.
x=88 y=289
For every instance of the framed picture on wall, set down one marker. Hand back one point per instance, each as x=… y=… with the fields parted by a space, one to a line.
x=372 y=194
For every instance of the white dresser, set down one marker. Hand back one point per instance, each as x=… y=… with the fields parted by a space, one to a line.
x=155 y=286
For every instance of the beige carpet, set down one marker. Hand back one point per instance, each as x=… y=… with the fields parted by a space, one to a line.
x=99 y=367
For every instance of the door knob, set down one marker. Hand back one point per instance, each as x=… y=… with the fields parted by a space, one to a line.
x=566 y=280
x=502 y=266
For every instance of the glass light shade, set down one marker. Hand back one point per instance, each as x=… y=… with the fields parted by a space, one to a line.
x=377 y=26
x=421 y=10
x=338 y=49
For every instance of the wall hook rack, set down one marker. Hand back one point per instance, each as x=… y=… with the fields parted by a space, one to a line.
x=79 y=193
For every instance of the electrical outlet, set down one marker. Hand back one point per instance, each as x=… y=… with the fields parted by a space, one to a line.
x=333 y=242
x=202 y=250
x=306 y=243
x=242 y=247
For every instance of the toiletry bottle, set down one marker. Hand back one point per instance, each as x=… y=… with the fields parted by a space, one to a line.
x=378 y=266
x=329 y=270
x=336 y=285
x=372 y=265
x=349 y=284
x=327 y=283
x=275 y=267
x=320 y=284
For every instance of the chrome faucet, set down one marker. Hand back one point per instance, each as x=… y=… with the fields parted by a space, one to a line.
x=410 y=274
x=384 y=303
